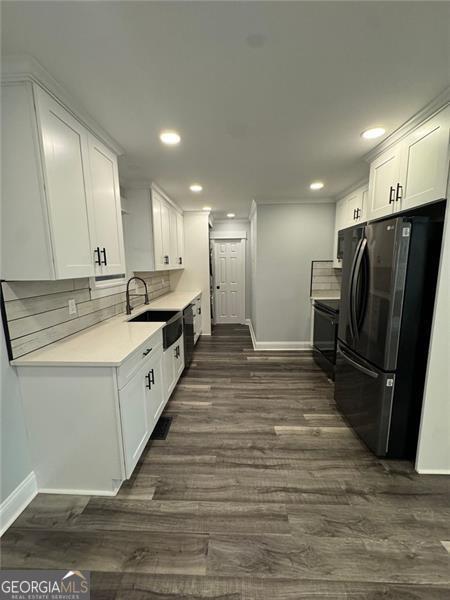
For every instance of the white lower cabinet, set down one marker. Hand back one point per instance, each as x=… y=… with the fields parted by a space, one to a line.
x=88 y=425
x=197 y=318
x=141 y=403
x=173 y=365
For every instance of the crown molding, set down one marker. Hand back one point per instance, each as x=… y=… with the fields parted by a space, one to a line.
x=18 y=68
x=161 y=192
x=425 y=113
x=361 y=184
x=284 y=201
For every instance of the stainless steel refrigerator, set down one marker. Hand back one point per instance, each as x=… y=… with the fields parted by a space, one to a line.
x=387 y=297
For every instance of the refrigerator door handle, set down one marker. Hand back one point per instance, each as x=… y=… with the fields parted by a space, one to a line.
x=356 y=273
x=350 y=290
x=355 y=364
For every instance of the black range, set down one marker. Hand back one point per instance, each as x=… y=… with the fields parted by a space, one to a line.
x=326 y=318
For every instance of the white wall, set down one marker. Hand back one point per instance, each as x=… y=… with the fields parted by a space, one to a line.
x=196 y=258
x=289 y=238
x=240 y=225
x=433 y=455
x=15 y=457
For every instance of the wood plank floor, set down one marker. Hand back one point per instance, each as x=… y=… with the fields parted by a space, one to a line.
x=259 y=492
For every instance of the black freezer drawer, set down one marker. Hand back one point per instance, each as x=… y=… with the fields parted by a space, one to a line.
x=364 y=396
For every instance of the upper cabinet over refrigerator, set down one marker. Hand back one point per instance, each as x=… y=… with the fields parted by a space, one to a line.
x=412 y=172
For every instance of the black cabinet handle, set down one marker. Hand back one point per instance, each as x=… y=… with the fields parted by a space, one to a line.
x=358 y=210
x=149 y=383
x=166 y=260
x=97 y=256
x=105 y=262
x=391 y=194
x=399 y=192
x=152 y=376
x=218 y=287
x=147 y=351
x=200 y=310
x=180 y=260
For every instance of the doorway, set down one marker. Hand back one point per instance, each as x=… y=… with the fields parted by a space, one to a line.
x=229 y=280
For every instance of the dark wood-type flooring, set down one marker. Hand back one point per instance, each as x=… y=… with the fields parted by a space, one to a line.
x=259 y=492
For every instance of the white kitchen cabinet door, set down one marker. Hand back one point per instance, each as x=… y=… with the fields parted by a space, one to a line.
x=425 y=163
x=180 y=240
x=168 y=366
x=134 y=417
x=165 y=234
x=105 y=218
x=157 y=231
x=383 y=182
x=173 y=244
x=155 y=393
x=179 y=358
x=65 y=163
x=353 y=209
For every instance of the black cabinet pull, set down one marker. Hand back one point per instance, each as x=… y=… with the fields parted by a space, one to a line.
x=391 y=194
x=200 y=310
x=358 y=210
x=399 y=192
x=147 y=351
x=149 y=383
x=105 y=262
x=180 y=261
x=97 y=255
x=152 y=376
x=166 y=260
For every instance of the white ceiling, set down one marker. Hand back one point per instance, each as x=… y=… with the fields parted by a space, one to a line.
x=267 y=96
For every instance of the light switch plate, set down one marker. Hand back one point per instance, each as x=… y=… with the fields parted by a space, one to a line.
x=72 y=307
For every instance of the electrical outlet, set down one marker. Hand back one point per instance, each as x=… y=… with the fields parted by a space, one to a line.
x=72 y=307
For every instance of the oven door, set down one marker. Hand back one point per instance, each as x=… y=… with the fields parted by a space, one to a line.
x=325 y=334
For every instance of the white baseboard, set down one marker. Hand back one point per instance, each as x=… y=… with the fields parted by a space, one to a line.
x=76 y=492
x=17 y=501
x=274 y=346
x=433 y=471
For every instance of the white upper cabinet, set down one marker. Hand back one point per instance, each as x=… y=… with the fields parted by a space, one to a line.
x=425 y=166
x=64 y=146
x=168 y=224
x=180 y=240
x=104 y=210
x=350 y=210
x=59 y=191
x=153 y=232
x=412 y=172
x=383 y=181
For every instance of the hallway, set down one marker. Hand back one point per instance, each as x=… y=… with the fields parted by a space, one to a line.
x=259 y=492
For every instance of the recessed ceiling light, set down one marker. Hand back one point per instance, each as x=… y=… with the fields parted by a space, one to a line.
x=206 y=208
x=316 y=185
x=231 y=215
x=374 y=132
x=170 y=138
x=195 y=187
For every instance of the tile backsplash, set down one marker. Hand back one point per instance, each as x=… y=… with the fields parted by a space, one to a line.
x=37 y=312
x=324 y=278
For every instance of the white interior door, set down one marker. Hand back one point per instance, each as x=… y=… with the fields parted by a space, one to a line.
x=229 y=278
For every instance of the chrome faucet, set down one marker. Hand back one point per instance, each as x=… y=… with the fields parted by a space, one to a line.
x=129 y=307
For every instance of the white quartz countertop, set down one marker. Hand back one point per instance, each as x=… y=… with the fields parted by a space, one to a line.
x=326 y=295
x=174 y=300
x=109 y=343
